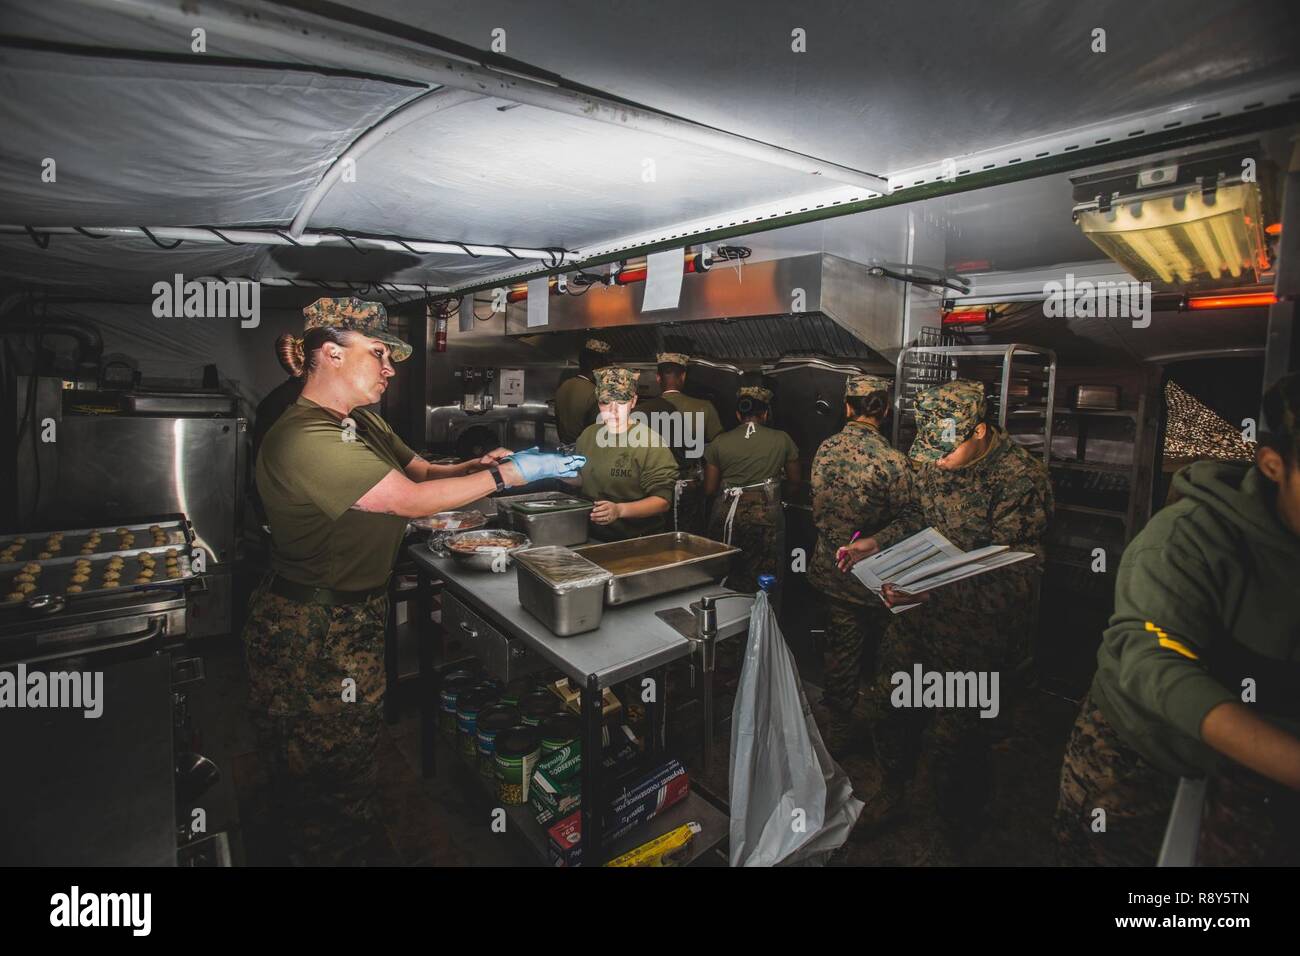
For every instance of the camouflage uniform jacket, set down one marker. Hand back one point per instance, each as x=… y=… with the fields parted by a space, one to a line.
x=859 y=483
x=1005 y=497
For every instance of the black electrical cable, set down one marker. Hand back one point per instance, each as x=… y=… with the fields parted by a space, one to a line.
x=155 y=240
x=42 y=240
x=346 y=238
x=942 y=281
x=87 y=233
x=288 y=238
x=217 y=232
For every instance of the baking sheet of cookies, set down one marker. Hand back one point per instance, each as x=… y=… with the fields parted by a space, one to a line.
x=93 y=561
x=88 y=542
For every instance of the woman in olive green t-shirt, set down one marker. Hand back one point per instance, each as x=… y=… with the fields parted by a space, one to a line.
x=338 y=487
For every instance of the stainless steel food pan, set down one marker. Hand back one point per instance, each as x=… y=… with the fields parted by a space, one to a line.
x=659 y=564
x=559 y=521
x=563 y=590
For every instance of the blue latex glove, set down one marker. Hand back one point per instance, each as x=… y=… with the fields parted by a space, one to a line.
x=535 y=465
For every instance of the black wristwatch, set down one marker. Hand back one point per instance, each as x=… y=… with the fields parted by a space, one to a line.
x=496 y=476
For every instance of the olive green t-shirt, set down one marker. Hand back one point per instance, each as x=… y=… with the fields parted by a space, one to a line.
x=685 y=403
x=309 y=477
x=746 y=458
x=575 y=408
x=636 y=468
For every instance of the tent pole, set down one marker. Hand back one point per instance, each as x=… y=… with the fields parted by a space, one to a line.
x=218 y=235
x=409 y=112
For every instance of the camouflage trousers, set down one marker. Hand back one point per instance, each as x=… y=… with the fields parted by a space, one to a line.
x=758 y=530
x=852 y=638
x=956 y=740
x=1102 y=773
x=316 y=685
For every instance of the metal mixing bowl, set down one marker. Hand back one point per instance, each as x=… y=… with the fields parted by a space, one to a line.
x=486 y=558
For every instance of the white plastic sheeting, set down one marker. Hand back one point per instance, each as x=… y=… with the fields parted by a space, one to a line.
x=790 y=801
x=185 y=138
x=171 y=144
x=883 y=86
x=534 y=178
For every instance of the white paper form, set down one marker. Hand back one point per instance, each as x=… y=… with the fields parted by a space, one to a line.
x=927 y=560
x=663 y=280
x=539 y=302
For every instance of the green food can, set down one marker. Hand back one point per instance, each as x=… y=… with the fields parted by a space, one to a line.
x=559 y=730
x=537 y=706
x=491 y=721
x=517 y=688
x=468 y=706
x=517 y=752
x=452 y=687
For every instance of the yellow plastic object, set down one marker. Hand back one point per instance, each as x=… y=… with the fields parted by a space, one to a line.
x=666 y=850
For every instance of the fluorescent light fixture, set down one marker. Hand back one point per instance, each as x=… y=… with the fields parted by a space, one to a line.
x=1186 y=238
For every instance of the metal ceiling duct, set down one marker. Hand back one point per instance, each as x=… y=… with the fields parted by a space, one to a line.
x=815 y=304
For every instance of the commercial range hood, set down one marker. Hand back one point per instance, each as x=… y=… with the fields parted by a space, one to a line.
x=755 y=312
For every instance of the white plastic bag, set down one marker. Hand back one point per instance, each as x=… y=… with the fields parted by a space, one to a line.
x=790 y=802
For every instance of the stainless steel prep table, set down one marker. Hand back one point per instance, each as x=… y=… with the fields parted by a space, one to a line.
x=631 y=640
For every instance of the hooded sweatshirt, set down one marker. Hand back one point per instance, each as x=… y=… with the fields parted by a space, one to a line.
x=1207 y=597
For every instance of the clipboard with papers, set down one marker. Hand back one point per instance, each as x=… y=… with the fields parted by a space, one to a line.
x=927 y=560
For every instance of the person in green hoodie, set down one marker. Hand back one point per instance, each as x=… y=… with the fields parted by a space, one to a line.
x=1198 y=674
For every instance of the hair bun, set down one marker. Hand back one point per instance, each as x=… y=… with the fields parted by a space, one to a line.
x=289 y=350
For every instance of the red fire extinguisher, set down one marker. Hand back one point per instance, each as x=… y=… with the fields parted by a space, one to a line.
x=439 y=330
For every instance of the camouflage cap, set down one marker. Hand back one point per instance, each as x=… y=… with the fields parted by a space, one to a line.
x=757 y=392
x=615 y=384
x=946 y=415
x=596 y=345
x=356 y=315
x=865 y=385
x=673 y=358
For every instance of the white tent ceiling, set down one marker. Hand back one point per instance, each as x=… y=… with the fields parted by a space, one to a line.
x=145 y=132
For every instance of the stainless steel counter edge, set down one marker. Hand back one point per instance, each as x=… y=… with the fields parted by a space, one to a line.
x=630 y=640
